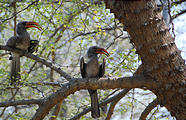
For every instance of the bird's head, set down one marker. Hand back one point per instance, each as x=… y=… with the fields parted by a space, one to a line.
x=94 y=51
x=27 y=24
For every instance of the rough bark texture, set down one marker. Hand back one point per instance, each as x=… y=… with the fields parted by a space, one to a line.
x=161 y=60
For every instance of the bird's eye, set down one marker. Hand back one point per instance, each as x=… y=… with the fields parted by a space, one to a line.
x=24 y=23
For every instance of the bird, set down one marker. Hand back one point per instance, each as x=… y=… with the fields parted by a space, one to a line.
x=34 y=44
x=92 y=69
x=21 y=41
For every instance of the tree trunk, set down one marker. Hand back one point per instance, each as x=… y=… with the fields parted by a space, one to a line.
x=161 y=60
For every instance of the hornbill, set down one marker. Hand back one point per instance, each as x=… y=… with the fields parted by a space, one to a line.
x=92 y=69
x=34 y=44
x=21 y=41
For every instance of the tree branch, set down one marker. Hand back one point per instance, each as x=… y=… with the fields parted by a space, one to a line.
x=178 y=2
x=77 y=84
x=21 y=102
x=54 y=84
x=113 y=104
x=61 y=27
x=38 y=59
x=111 y=109
x=56 y=111
x=105 y=102
x=148 y=109
x=180 y=13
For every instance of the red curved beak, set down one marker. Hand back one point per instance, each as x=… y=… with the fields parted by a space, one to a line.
x=33 y=24
x=102 y=51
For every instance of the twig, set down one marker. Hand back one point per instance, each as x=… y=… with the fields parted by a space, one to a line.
x=113 y=104
x=3 y=54
x=115 y=68
x=3 y=20
x=178 y=2
x=111 y=109
x=177 y=15
x=156 y=110
x=15 y=17
x=148 y=109
x=38 y=59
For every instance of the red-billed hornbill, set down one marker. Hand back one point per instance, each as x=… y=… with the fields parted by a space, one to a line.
x=21 y=41
x=92 y=69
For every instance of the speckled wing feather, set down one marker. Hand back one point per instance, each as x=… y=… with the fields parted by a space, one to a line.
x=13 y=41
x=33 y=46
x=82 y=67
x=102 y=69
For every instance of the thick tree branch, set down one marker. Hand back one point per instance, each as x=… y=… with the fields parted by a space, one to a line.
x=111 y=109
x=113 y=104
x=21 y=102
x=38 y=59
x=56 y=111
x=77 y=84
x=105 y=102
x=148 y=109
x=111 y=83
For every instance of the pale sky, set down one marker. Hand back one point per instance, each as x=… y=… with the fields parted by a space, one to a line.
x=180 y=31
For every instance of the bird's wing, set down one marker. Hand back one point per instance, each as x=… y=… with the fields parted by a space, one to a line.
x=34 y=44
x=12 y=41
x=102 y=69
x=82 y=67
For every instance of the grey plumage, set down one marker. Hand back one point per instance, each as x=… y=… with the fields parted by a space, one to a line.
x=92 y=69
x=22 y=42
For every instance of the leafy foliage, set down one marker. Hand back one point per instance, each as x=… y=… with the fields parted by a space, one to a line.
x=70 y=27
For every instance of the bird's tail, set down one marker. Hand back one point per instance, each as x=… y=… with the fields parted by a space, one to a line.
x=15 y=68
x=95 y=112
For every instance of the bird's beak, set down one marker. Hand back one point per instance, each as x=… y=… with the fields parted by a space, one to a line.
x=102 y=51
x=33 y=24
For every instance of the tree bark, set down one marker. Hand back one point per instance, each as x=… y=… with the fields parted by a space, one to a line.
x=161 y=59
